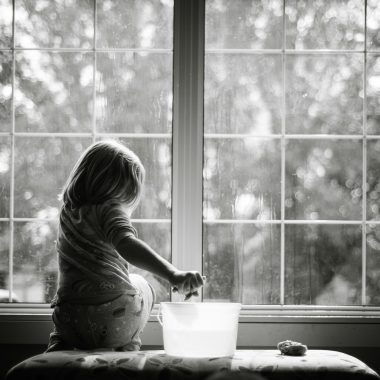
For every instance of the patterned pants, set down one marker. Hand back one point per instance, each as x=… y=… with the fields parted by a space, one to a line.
x=116 y=324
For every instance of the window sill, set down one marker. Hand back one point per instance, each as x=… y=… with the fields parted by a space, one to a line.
x=248 y=312
x=259 y=326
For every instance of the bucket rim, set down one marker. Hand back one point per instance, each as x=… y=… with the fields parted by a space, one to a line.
x=202 y=303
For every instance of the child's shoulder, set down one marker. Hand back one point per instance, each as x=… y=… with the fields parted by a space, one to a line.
x=109 y=208
x=89 y=211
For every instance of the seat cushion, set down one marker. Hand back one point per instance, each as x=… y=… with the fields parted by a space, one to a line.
x=270 y=364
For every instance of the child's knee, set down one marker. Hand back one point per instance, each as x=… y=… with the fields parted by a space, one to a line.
x=144 y=287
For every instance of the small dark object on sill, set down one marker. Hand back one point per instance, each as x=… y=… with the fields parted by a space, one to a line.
x=291 y=348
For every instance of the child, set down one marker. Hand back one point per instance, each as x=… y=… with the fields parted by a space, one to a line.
x=98 y=303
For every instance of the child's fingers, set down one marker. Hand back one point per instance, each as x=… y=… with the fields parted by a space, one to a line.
x=184 y=287
x=187 y=286
x=189 y=295
x=194 y=284
x=193 y=281
x=199 y=279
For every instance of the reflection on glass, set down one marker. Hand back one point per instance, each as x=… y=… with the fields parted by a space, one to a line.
x=158 y=236
x=5 y=90
x=242 y=94
x=244 y=24
x=5 y=165
x=323 y=265
x=242 y=263
x=323 y=180
x=35 y=270
x=324 y=94
x=135 y=24
x=53 y=91
x=54 y=23
x=373 y=24
x=373 y=265
x=241 y=179
x=42 y=166
x=373 y=94
x=373 y=179
x=134 y=92
x=6 y=16
x=326 y=24
x=4 y=262
x=155 y=155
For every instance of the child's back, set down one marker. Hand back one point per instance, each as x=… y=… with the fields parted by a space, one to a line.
x=91 y=270
x=98 y=303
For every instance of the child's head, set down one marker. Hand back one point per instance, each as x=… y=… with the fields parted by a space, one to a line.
x=107 y=170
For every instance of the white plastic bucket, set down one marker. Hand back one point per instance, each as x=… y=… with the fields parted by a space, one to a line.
x=200 y=330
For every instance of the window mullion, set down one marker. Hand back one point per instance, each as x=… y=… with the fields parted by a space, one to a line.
x=94 y=61
x=12 y=168
x=283 y=157
x=187 y=134
x=364 y=184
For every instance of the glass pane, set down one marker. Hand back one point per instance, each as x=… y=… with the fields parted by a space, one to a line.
x=325 y=24
x=244 y=24
x=373 y=180
x=54 y=91
x=323 y=264
x=324 y=94
x=35 y=270
x=134 y=92
x=155 y=155
x=323 y=180
x=5 y=167
x=373 y=24
x=373 y=94
x=4 y=262
x=243 y=94
x=158 y=236
x=5 y=91
x=241 y=179
x=135 y=24
x=242 y=263
x=42 y=166
x=373 y=265
x=54 y=23
x=6 y=16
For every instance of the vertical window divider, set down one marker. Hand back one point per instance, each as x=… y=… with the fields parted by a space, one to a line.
x=283 y=157
x=188 y=76
x=364 y=185
x=94 y=61
x=12 y=169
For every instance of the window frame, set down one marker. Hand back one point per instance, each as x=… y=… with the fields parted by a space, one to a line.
x=187 y=188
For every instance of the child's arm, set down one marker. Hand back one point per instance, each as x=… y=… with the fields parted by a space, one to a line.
x=141 y=255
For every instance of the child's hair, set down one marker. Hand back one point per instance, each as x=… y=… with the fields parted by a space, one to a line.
x=107 y=170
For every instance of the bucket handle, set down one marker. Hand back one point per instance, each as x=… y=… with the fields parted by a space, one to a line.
x=158 y=316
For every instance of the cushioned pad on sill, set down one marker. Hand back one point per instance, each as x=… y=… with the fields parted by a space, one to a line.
x=72 y=365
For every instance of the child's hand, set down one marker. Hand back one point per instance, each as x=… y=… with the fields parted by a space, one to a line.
x=187 y=283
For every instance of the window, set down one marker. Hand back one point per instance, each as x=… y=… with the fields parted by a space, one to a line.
x=258 y=124
x=291 y=138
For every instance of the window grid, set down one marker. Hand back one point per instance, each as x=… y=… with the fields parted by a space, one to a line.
x=93 y=133
x=363 y=137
